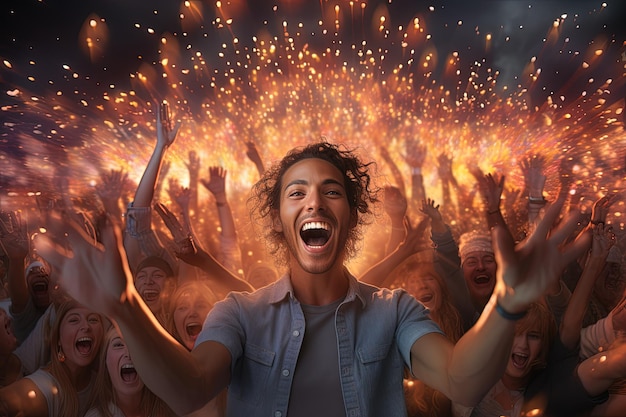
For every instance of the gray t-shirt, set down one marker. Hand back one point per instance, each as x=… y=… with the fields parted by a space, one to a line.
x=316 y=388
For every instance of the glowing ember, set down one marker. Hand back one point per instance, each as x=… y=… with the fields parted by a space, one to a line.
x=367 y=74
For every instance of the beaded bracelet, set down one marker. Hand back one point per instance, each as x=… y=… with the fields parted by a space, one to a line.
x=509 y=316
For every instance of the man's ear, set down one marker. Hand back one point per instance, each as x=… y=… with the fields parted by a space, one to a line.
x=277 y=225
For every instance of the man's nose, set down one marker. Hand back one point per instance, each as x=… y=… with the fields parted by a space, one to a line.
x=315 y=201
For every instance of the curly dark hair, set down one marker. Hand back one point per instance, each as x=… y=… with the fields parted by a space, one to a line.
x=360 y=192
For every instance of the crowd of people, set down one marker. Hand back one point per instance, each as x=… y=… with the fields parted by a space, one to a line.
x=494 y=303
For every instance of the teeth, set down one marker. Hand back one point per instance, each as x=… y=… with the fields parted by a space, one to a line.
x=85 y=339
x=128 y=366
x=315 y=225
x=150 y=295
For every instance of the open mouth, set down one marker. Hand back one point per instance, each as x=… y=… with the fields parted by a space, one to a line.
x=40 y=287
x=481 y=279
x=84 y=345
x=426 y=298
x=519 y=360
x=150 y=295
x=315 y=234
x=128 y=373
x=193 y=329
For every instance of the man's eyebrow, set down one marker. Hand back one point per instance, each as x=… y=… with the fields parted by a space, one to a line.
x=295 y=182
x=333 y=181
x=304 y=182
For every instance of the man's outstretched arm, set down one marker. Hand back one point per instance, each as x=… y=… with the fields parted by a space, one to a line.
x=97 y=274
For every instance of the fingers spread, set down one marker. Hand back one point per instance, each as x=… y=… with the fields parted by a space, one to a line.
x=53 y=252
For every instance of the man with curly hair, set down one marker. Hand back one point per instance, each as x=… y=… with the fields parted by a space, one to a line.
x=317 y=341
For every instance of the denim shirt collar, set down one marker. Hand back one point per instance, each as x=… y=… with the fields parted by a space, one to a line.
x=283 y=288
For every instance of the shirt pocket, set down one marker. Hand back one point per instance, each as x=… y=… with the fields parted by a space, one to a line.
x=379 y=369
x=254 y=371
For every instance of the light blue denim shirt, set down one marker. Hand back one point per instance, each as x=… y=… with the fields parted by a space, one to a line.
x=264 y=330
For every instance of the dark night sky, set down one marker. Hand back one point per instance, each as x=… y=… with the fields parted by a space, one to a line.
x=48 y=32
x=37 y=38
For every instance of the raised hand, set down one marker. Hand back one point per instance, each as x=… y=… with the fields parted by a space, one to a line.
x=183 y=244
x=193 y=166
x=601 y=208
x=253 y=153
x=395 y=204
x=110 y=188
x=431 y=210
x=533 y=170
x=414 y=153
x=166 y=131
x=216 y=183
x=445 y=167
x=491 y=187
x=14 y=235
x=527 y=270
x=179 y=194
x=602 y=241
x=95 y=274
x=415 y=240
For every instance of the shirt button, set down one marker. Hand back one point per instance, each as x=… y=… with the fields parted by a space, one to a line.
x=285 y=372
x=277 y=414
x=296 y=333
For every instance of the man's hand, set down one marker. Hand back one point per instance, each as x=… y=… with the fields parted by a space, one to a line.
x=527 y=270
x=93 y=273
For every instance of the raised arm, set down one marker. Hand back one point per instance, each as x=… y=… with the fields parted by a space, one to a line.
x=395 y=171
x=448 y=263
x=96 y=274
x=110 y=188
x=166 y=134
x=534 y=181
x=140 y=238
x=187 y=250
x=380 y=273
x=15 y=243
x=444 y=169
x=603 y=239
x=193 y=166
x=253 y=154
x=395 y=205
x=216 y=185
x=466 y=371
x=182 y=197
x=230 y=252
x=415 y=155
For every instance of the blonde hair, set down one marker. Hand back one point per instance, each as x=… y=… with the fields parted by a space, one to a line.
x=103 y=393
x=68 y=395
x=540 y=318
x=447 y=316
x=192 y=287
